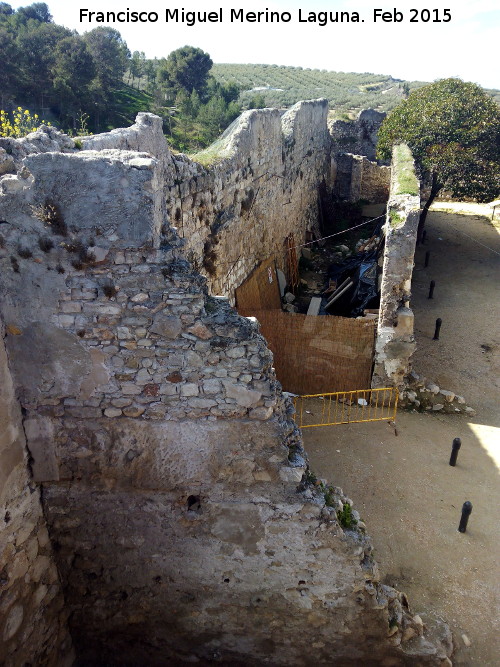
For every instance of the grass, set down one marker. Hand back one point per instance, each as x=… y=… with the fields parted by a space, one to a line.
x=212 y=155
x=395 y=218
x=345 y=517
x=404 y=171
x=127 y=102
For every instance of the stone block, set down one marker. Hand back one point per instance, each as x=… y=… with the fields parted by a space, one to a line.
x=13 y=622
x=40 y=440
x=211 y=386
x=261 y=413
x=190 y=389
x=200 y=331
x=247 y=398
x=236 y=352
x=112 y=412
x=167 y=326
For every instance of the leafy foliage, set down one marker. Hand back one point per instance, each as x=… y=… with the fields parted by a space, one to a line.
x=200 y=107
x=453 y=131
x=185 y=69
x=59 y=73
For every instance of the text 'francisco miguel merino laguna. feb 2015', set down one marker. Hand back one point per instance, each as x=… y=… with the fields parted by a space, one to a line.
x=191 y=18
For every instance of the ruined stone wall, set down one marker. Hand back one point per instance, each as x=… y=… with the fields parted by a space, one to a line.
x=357 y=178
x=356 y=175
x=395 y=342
x=357 y=136
x=185 y=524
x=236 y=202
x=33 y=628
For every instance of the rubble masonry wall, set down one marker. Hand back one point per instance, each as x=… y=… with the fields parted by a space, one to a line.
x=237 y=201
x=174 y=483
x=33 y=627
x=395 y=342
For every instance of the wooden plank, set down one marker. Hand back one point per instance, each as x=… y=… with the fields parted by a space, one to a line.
x=314 y=305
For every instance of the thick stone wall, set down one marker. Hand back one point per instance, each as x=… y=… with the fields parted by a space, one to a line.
x=358 y=136
x=357 y=178
x=395 y=342
x=185 y=523
x=33 y=628
x=236 y=202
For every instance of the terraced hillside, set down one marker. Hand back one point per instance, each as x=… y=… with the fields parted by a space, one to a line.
x=346 y=91
x=283 y=86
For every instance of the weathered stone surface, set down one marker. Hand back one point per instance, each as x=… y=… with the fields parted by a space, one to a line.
x=40 y=439
x=188 y=512
x=90 y=178
x=200 y=331
x=248 y=398
x=395 y=341
x=166 y=325
x=357 y=136
x=25 y=610
x=46 y=355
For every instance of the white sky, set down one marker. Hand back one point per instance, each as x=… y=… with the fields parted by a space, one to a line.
x=467 y=46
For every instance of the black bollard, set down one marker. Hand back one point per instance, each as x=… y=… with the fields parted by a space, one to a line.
x=466 y=510
x=437 y=329
x=427 y=255
x=457 y=443
x=431 y=289
x=424 y=234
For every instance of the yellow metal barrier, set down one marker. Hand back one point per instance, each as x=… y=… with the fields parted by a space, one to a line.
x=346 y=407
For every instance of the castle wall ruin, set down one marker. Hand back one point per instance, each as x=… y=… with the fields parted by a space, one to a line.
x=33 y=619
x=184 y=522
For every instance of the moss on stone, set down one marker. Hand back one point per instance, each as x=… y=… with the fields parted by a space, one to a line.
x=406 y=182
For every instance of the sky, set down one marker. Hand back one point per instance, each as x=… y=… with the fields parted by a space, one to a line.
x=465 y=46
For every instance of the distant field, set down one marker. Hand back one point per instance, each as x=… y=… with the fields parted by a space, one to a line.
x=284 y=86
x=347 y=92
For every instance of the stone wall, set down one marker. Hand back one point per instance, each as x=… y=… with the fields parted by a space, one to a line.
x=357 y=136
x=186 y=525
x=33 y=628
x=357 y=178
x=236 y=202
x=395 y=342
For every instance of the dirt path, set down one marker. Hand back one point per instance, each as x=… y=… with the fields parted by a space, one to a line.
x=402 y=484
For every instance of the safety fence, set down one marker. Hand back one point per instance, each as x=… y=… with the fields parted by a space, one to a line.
x=346 y=407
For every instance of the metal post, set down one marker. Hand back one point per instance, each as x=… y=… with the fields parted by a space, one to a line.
x=431 y=289
x=457 y=443
x=466 y=510
x=437 y=329
x=427 y=255
x=424 y=234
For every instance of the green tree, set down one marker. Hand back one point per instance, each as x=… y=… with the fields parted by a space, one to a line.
x=73 y=71
x=110 y=54
x=38 y=11
x=257 y=102
x=216 y=115
x=195 y=103
x=36 y=47
x=8 y=70
x=453 y=131
x=185 y=68
x=136 y=65
x=5 y=11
